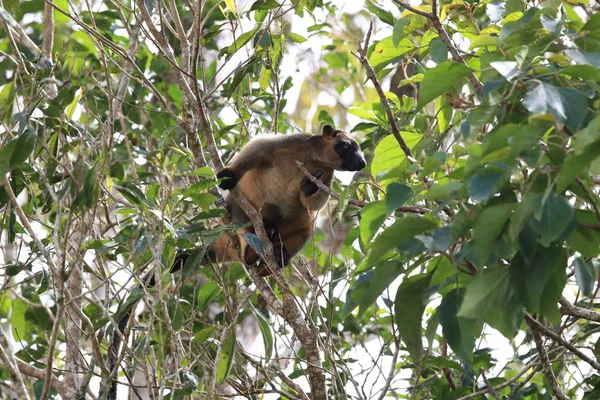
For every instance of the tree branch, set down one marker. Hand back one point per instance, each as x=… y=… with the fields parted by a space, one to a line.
x=437 y=24
x=574 y=311
x=362 y=57
x=48 y=43
x=546 y=365
x=556 y=337
x=10 y=362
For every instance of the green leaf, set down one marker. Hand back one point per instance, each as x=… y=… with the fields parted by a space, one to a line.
x=383 y=14
x=402 y=230
x=487 y=228
x=484 y=184
x=225 y=361
x=24 y=146
x=438 y=51
x=486 y=289
x=459 y=332
x=204 y=334
x=556 y=216
x=585 y=275
x=521 y=216
x=389 y=155
x=207 y=294
x=384 y=275
x=409 y=307
x=575 y=164
x=124 y=308
x=439 y=79
x=397 y=31
x=267 y=335
x=545 y=99
x=264 y=5
x=294 y=37
x=385 y=52
x=397 y=195
x=576 y=107
x=529 y=279
x=593 y=23
x=22 y=327
x=371 y=217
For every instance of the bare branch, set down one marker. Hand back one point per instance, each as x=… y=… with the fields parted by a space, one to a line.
x=546 y=365
x=491 y=389
x=556 y=337
x=574 y=311
x=412 y=9
x=48 y=43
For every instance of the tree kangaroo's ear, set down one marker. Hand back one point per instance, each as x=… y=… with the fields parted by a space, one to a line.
x=329 y=133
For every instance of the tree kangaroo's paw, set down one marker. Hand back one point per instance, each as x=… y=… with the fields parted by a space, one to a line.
x=309 y=188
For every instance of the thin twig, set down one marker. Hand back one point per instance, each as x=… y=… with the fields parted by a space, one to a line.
x=491 y=389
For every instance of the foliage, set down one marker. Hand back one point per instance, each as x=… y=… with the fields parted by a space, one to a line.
x=424 y=272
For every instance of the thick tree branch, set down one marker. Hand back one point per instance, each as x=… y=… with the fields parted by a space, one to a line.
x=443 y=34
x=48 y=43
x=362 y=57
x=574 y=311
x=546 y=365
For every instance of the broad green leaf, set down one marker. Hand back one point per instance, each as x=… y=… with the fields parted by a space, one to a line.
x=593 y=23
x=460 y=332
x=574 y=165
x=204 y=334
x=582 y=58
x=385 y=52
x=267 y=335
x=487 y=228
x=438 y=51
x=529 y=279
x=545 y=99
x=483 y=185
x=385 y=274
x=402 y=230
x=263 y=5
x=371 y=217
x=409 y=307
x=397 y=30
x=521 y=216
x=397 y=195
x=576 y=107
x=486 y=289
x=439 y=79
x=556 y=216
x=508 y=69
x=207 y=294
x=294 y=37
x=22 y=327
x=383 y=14
x=585 y=275
x=231 y=5
x=443 y=113
x=24 y=146
x=225 y=361
x=389 y=155
x=124 y=308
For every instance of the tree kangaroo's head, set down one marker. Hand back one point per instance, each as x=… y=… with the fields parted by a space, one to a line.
x=340 y=151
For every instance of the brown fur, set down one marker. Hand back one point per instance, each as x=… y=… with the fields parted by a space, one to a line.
x=266 y=173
